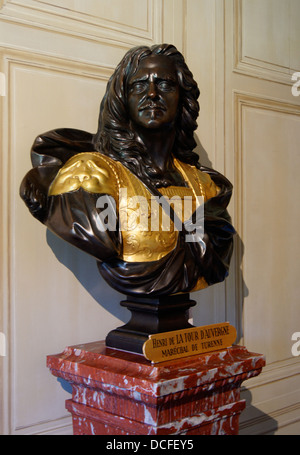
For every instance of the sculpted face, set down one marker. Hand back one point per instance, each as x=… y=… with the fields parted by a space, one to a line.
x=153 y=93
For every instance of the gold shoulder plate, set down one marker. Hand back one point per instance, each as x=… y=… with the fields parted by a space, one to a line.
x=199 y=181
x=209 y=186
x=93 y=172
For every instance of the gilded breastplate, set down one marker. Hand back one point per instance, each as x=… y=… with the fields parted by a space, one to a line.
x=147 y=230
x=148 y=234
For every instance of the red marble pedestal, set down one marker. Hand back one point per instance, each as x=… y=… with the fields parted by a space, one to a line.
x=120 y=393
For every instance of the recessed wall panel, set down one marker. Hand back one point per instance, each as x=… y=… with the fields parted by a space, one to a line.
x=270 y=139
x=265 y=27
x=132 y=13
x=266 y=39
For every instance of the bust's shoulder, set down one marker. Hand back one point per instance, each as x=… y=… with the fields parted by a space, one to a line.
x=200 y=179
x=219 y=179
x=91 y=171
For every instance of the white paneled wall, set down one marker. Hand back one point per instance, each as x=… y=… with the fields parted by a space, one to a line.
x=55 y=60
x=262 y=121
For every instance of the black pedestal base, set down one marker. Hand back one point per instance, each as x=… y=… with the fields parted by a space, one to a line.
x=149 y=316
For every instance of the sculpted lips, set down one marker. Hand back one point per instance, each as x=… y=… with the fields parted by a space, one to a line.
x=152 y=106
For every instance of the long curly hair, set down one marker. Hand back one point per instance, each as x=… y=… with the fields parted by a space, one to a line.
x=115 y=136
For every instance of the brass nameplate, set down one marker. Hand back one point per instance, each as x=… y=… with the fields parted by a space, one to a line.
x=187 y=342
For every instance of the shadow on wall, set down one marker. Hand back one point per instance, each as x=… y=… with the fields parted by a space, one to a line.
x=235 y=281
x=253 y=421
x=203 y=156
x=241 y=289
x=84 y=267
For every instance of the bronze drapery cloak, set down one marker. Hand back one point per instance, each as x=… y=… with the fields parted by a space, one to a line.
x=72 y=216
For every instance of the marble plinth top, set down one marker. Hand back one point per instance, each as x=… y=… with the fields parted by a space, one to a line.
x=94 y=365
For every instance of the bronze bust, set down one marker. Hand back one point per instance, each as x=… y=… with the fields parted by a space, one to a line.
x=83 y=187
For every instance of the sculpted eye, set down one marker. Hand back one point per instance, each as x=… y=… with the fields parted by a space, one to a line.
x=166 y=85
x=138 y=87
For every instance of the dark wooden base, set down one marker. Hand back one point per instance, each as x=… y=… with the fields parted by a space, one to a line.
x=149 y=316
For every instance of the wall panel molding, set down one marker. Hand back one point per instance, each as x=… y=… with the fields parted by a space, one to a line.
x=90 y=25
x=272 y=110
x=242 y=100
x=275 y=394
x=280 y=422
x=264 y=68
x=262 y=124
x=12 y=56
x=57 y=427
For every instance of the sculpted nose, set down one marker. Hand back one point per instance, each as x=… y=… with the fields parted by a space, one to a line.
x=152 y=91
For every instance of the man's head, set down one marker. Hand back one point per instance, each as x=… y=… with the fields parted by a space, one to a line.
x=117 y=134
x=153 y=94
